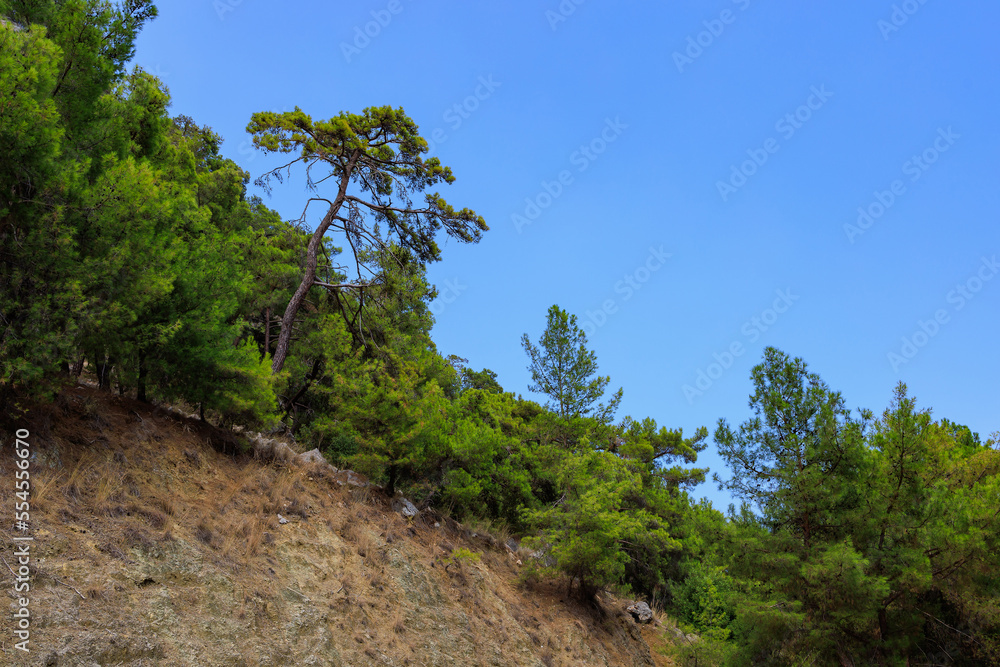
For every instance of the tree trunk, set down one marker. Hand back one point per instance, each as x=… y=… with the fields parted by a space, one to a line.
x=845 y=659
x=312 y=259
x=390 y=487
x=140 y=392
x=267 y=331
x=104 y=367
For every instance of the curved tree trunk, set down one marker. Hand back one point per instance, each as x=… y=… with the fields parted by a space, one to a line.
x=285 y=336
x=309 y=278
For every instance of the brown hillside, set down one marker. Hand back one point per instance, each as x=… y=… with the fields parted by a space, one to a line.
x=157 y=543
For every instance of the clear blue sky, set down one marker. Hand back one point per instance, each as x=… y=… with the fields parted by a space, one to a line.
x=740 y=138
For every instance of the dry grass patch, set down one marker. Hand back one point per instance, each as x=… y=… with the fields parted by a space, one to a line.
x=43 y=483
x=76 y=478
x=204 y=532
x=152 y=517
x=110 y=486
x=398 y=620
x=230 y=487
x=369 y=548
x=166 y=505
x=358 y=495
x=243 y=538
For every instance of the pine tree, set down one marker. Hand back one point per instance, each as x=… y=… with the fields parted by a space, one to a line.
x=564 y=369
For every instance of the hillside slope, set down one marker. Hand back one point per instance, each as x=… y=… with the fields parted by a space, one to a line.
x=156 y=542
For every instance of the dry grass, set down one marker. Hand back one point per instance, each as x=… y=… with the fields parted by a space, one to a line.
x=43 y=484
x=346 y=584
x=371 y=550
x=244 y=536
x=359 y=495
x=350 y=530
x=77 y=475
x=110 y=484
x=494 y=533
x=132 y=486
x=166 y=505
x=204 y=532
x=397 y=621
x=232 y=486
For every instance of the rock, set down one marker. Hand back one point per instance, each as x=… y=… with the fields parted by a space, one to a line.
x=349 y=477
x=544 y=556
x=404 y=507
x=282 y=520
x=312 y=456
x=640 y=612
x=680 y=636
x=268 y=449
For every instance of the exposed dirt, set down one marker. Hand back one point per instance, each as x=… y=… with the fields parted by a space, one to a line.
x=157 y=543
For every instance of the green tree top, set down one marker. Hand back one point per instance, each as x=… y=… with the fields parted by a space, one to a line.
x=799 y=454
x=563 y=368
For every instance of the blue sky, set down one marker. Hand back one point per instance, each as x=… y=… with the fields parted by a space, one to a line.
x=694 y=180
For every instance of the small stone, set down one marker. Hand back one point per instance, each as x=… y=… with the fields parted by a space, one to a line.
x=405 y=507
x=640 y=612
x=282 y=520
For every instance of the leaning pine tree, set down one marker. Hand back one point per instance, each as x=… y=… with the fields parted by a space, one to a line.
x=374 y=165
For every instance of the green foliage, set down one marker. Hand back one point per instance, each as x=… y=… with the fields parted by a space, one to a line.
x=402 y=426
x=701 y=599
x=931 y=535
x=34 y=236
x=485 y=380
x=563 y=368
x=799 y=457
x=586 y=531
x=872 y=547
x=462 y=557
x=122 y=228
x=492 y=470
